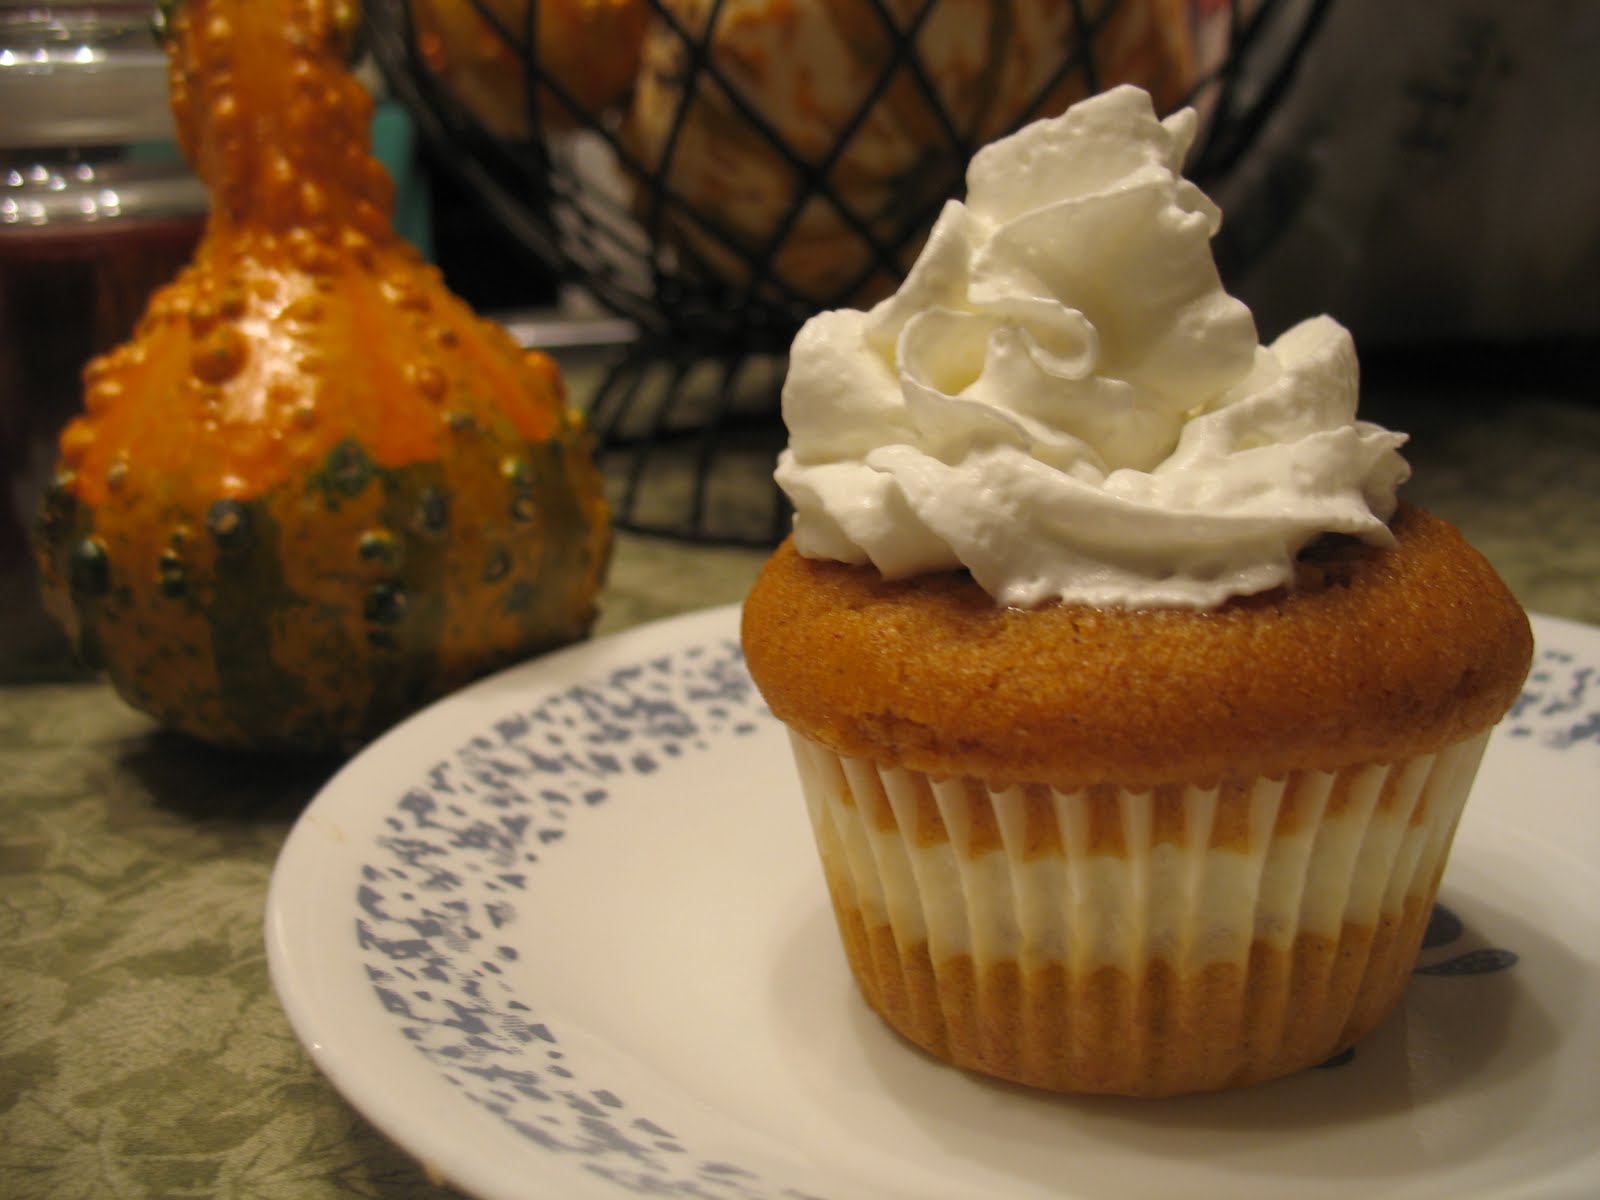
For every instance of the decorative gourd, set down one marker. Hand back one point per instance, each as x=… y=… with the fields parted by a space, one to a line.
x=314 y=490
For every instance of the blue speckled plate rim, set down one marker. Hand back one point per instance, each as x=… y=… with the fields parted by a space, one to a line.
x=671 y=680
x=309 y=967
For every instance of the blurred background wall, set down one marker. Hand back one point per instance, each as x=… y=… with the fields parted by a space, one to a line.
x=1433 y=175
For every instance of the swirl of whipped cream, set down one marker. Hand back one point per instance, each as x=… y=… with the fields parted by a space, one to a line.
x=1063 y=400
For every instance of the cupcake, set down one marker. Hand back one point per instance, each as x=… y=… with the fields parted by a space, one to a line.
x=1133 y=710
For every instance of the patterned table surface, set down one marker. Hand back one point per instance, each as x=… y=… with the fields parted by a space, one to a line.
x=142 y=1051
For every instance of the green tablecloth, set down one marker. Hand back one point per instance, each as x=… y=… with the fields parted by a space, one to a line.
x=142 y=1051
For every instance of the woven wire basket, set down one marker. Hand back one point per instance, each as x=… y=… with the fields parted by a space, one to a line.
x=716 y=171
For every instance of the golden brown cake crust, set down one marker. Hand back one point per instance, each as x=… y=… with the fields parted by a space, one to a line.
x=1375 y=656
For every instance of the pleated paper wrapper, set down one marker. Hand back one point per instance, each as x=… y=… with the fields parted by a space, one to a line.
x=1155 y=942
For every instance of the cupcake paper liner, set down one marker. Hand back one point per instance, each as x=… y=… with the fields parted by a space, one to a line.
x=1141 y=942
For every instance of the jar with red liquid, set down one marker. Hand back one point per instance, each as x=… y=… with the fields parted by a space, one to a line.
x=97 y=209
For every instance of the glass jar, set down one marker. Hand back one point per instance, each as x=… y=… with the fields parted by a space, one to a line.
x=97 y=209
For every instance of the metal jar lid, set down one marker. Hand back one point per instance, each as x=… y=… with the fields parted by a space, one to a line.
x=86 y=129
x=39 y=196
x=81 y=75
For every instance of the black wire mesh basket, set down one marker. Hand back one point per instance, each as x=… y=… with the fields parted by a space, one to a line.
x=713 y=172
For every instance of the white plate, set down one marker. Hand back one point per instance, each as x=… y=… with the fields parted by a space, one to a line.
x=563 y=935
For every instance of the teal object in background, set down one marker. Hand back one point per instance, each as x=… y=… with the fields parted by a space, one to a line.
x=394 y=142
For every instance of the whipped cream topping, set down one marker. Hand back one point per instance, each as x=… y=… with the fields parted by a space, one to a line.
x=1063 y=399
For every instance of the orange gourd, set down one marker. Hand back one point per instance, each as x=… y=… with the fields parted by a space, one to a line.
x=314 y=490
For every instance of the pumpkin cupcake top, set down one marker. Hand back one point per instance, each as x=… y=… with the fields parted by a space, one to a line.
x=1064 y=401
x=1061 y=519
